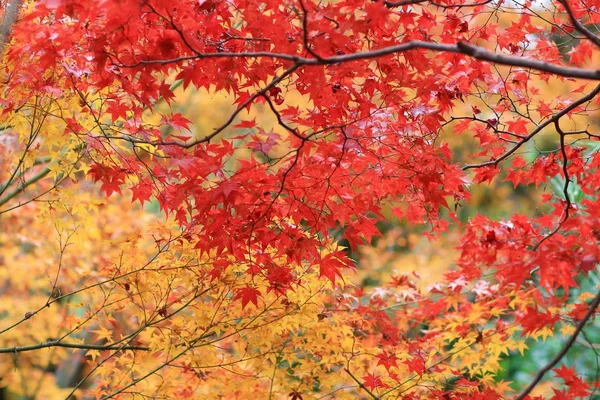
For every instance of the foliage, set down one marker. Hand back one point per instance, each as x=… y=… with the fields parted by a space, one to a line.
x=144 y=255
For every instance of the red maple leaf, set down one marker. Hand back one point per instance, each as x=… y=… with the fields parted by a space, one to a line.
x=577 y=386
x=248 y=295
x=486 y=173
x=373 y=381
x=565 y=373
x=177 y=121
x=518 y=126
x=535 y=320
x=415 y=365
x=142 y=192
x=330 y=267
x=388 y=360
x=246 y=124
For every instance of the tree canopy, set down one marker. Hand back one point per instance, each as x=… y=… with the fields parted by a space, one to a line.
x=144 y=255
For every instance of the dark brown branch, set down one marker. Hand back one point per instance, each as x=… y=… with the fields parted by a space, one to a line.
x=307 y=45
x=400 y=3
x=280 y=121
x=403 y=3
x=485 y=55
x=578 y=25
x=461 y=48
x=56 y=343
x=563 y=151
x=591 y=310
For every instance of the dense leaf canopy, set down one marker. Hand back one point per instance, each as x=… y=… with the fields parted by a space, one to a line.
x=174 y=259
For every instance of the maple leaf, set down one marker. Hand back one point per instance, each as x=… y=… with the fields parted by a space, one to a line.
x=462 y=126
x=246 y=124
x=373 y=381
x=565 y=373
x=580 y=54
x=486 y=173
x=247 y=295
x=331 y=267
x=111 y=185
x=388 y=360
x=577 y=387
x=142 y=192
x=295 y=395
x=377 y=12
x=280 y=279
x=561 y=395
x=518 y=126
x=117 y=110
x=177 y=121
x=534 y=320
x=515 y=174
x=415 y=365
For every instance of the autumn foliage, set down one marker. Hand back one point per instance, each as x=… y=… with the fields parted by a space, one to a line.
x=144 y=255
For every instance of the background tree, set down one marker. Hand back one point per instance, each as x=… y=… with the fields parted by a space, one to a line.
x=229 y=275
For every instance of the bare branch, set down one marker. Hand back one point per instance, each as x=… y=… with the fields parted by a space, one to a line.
x=485 y=55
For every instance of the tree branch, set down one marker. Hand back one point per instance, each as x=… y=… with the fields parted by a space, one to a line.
x=461 y=48
x=485 y=55
x=361 y=385
x=11 y=10
x=555 y=118
x=578 y=25
x=24 y=185
x=568 y=203
x=56 y=343
x=563 y=351
x=400 y=3
x=261 y=93
x=305 y=39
